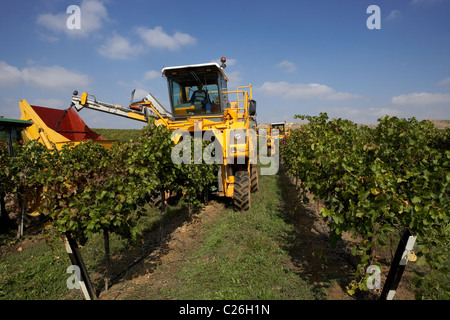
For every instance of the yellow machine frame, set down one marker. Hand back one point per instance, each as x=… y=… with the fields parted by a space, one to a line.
x=41 y=132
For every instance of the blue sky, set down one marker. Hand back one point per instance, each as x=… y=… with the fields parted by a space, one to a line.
x=301 y=57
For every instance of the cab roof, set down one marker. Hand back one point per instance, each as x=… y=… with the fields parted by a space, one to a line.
x=5 y=122
x=168 y=71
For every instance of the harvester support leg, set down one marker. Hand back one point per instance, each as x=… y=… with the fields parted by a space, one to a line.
x=242 y=190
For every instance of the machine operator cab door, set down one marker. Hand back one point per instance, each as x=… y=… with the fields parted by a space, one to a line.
x=12 y=133
x=197 y=90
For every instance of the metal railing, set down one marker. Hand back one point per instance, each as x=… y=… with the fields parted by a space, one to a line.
x=246 y=92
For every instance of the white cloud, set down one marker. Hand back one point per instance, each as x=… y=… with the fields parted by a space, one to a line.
x=424 y=1
x=53 y=22
x=362 y=116
x=444 y=82
x=118 y=47
x=42 y=77
x=421 y=99
x=157 y=38
x=152 y=74
x=287 y=66
x=51 y=103
x=301 y=91
x=234 y=78
x=394 y=15
x=54 y=77
x=93 y=14
x=9 y=75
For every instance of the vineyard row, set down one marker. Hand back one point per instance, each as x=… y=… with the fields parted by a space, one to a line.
x=378 y=182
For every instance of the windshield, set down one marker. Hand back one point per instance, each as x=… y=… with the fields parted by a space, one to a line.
x=195 y=94
x=280 y=127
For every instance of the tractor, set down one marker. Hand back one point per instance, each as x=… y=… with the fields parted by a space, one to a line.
x=201 y=105
x=279 y=127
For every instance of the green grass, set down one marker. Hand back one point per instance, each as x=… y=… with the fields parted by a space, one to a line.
x=244 y=255
x=38 y=272
x=123 y=135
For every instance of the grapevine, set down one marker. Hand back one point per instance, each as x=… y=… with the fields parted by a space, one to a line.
x=86 y=188
x=378 y=181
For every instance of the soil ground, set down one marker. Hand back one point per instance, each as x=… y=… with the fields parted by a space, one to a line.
x=156 y=273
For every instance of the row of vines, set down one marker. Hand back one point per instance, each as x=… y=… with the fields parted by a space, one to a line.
x=377 y=182
x=86 y=188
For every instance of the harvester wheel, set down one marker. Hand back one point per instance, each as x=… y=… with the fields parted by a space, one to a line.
x=242 y=190
x=254 y=178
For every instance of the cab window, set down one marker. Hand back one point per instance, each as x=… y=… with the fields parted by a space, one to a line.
x=195 y=95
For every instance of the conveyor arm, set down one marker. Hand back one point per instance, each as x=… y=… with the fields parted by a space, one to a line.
x=140 y=111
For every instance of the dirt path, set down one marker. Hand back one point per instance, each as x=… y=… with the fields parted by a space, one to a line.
x=331 y=267
x=313 y=257
x=157 y=272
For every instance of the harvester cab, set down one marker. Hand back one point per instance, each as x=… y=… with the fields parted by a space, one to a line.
x=197 y=90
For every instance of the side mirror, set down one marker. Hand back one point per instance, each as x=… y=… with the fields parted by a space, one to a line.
x=252 y=107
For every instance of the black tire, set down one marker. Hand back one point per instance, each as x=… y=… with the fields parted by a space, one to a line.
x=254 y=178
x=242 y=191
